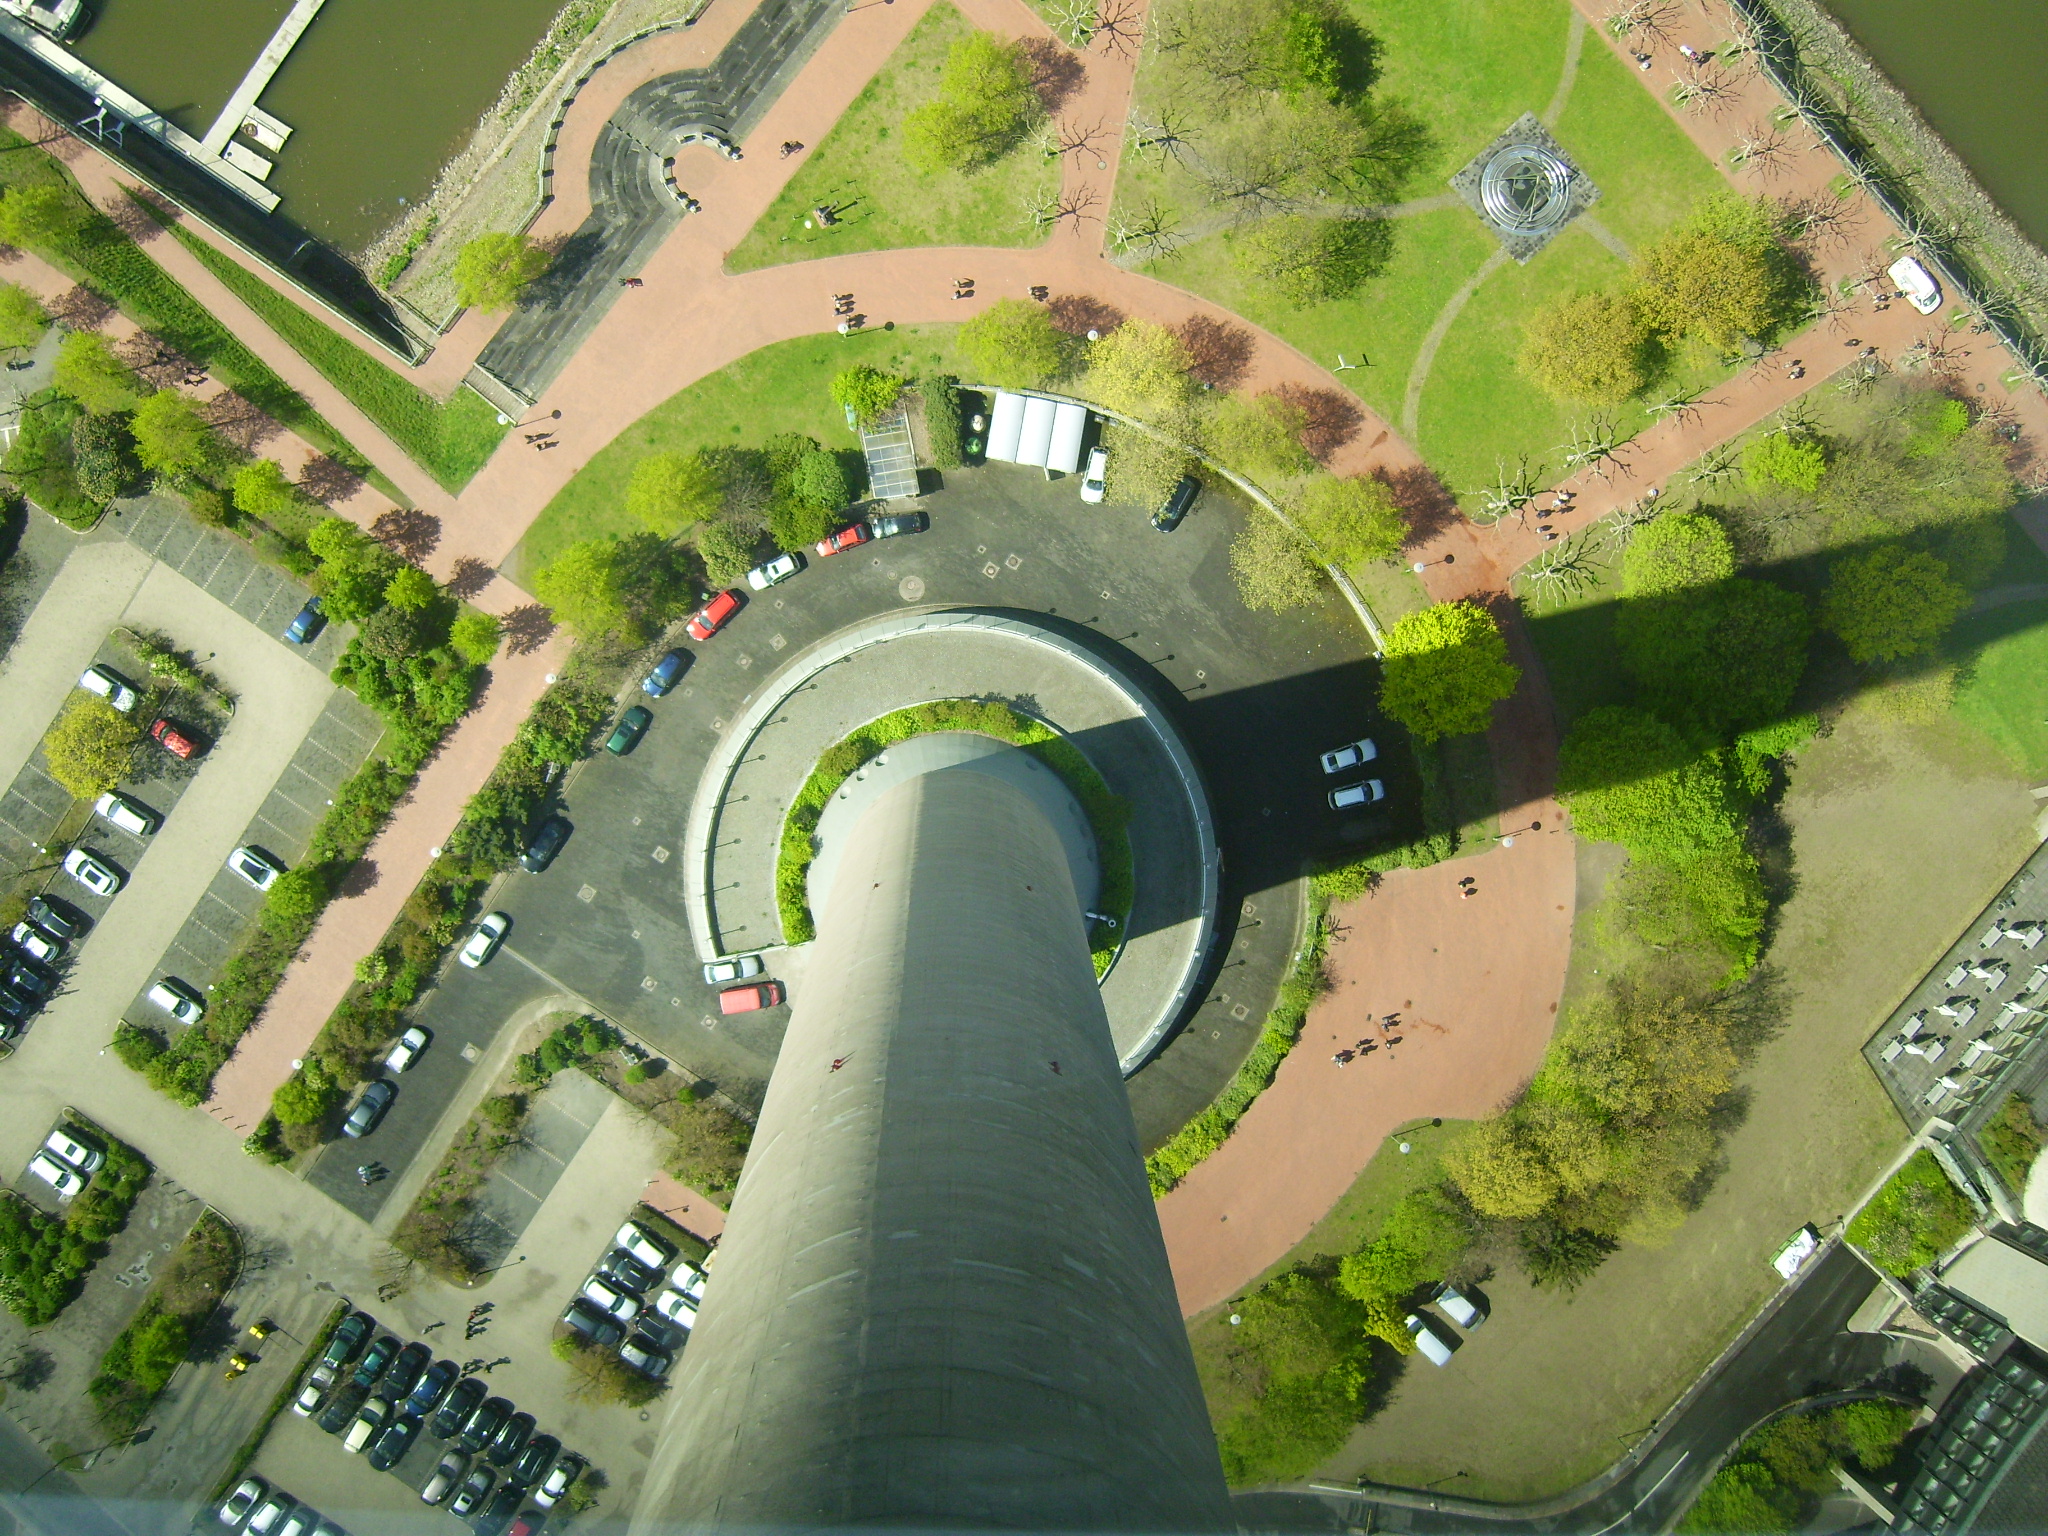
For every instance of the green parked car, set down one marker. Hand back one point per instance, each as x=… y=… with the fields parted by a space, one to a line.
x=631 y=727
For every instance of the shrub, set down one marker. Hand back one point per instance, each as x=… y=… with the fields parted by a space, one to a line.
x=819 y=481
x=726 y=550
x=709 y=1148
x=1783 y=458
x=1914 y=1219
x=1274 y=569
x=1445 y=667
x=1595 y=347
x=2012 y=1140
x=942 y=425
x=866 y=391
x=100 y=458
x=1305 y=1346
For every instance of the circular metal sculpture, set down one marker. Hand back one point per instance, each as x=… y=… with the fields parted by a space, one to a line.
x=1526 y=190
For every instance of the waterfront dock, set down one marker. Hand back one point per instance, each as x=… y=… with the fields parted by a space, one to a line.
x=267 y=64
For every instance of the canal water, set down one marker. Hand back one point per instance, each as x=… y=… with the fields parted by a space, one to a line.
x=379 y=93
x=1978 y=72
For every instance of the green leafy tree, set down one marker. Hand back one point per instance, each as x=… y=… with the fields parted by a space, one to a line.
x=172 y=438
x=1561 y=1257
x=1725 y=656
x=1630 y=778
x=727 y=552
x=1013 y=344
x=819 y=480
x=670 y=491
x=1274 y=570
x=493 y=270
x=89 y=373
x=100 y=457
x=866 y=391
x=1352 y=519
x=354 y=569
x=1784 y=458
x=1890 y=603
x=582 y=587
x=1595 y=347
x=38 y=215
x=1142 y=370
x=1444 y=668
x=475 y=635
x=262 y=490
x=156 y=1348
x=296 y=897
x=1723 y=276
x=984 y=107
x=22 y=320
x=1260 y=437
x=411 y=589
x=1313 y=51
x=307 y=1097
x=1312 y=259
x=1678 y=550
x=91 y=747
x=1143 y=469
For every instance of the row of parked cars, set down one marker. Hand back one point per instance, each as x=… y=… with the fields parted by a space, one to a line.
x=718 y=612
x=67 y=1160
x=380 y=1397
x=643 y=1286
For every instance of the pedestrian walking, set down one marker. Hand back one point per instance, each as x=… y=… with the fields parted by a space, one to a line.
x=631 y=282
x=544 y=447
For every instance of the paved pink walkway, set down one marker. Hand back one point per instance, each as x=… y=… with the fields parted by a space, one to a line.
x=685 y=1207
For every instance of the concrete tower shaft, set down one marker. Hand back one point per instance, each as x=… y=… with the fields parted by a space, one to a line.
x=942 y=1297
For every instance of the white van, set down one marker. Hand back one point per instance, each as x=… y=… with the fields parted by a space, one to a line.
x=1917 y=284
x=1434 y=1348
x=1459 y=1309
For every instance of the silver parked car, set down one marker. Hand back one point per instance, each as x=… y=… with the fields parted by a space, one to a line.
x=732 y=968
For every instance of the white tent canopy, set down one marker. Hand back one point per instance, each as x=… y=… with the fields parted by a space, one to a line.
x=1030 y=429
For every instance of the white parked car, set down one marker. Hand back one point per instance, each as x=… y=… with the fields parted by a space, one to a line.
x=1916 y=283
x=1432 y=1348
x=238 y=1504
x=483 y=944
x=771 y=573
x=408 y=1049
x=299 y=1522
x=1457 y=1306
x=556 y=1483
x=89 y=872
x=66 y=1181
x=643 y=1354
x=694 y=1286
x=269 y=1513
x=1367 y=793
x=178 y=1000
x=677 y=1308
x=1352 y=755
x=610 y=1300
x=732 y=968
x=35 y=943
x=644 y=1245
x=314 y=1390
x=1095 y=480
x=68 y=1148
x=256 y=867
x=119 y=811
x=111 y=686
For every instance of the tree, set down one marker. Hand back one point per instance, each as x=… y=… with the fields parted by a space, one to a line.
x=411 y=588
x=1630 y=778
x=354 y=569
x=171 y=438
x=1501 y=1173
x=99 y=457
x=156 y=1348
x=307 y=1097
x=494 y=269
x=1274 y=570
x=1677 y=550
x=474 y=636
x=1013 y=344
x=1724 y=656
x=1142 y=370
x=37 y=215
x=670 y=491
x=261 y=490
x=296 y=897
x=1352 y=519
x=726 y=551
x=1557 y=1255
x=820 y=481
x=22 y=320
x=91 y=747
x=1785 y=458
x=1723 y=276
x=1595 y=347
x=866 y=391
x=581 y=586
x=1445 y=667
x=984 y=106
x=1282 y=154
x=89 y=373
x=1311 y=259
x=1890 y=603
x=1143 y=469
x=1260 y=437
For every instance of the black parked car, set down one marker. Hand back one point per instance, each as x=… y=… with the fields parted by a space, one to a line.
x=546 y=842
x=26 y=976
x=342 y=1408
x=627 y=1272
x=592 y=1324
x=404 y=1374
x=510 y=1440
x=372 y=1365
x=433 y=1387
x=369 y=1108
x=350 y=1334
x=1176 y=506
x=488 y=1419
x=393 y=1441
x=535 y=1460
x=498 y=1515
x=461 y=1403
x=55 y=918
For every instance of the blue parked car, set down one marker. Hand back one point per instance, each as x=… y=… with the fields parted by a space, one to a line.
x=666 y=674
x=307 y=626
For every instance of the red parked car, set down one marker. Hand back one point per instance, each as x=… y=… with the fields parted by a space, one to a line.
x=846 y=538
x=714 y=615
x=173 y=740
x=762 y=994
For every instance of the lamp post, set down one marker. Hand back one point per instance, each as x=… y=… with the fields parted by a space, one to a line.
x=1507 y=839
x=1422 y=565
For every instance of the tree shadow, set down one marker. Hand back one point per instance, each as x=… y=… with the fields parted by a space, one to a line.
x=1056 y=72
x=527 y=628
x=1219 y=352
x=30 y=1369
x=1334 y=418
x=240 y=422
x=327 y=481
x=80 y=309
x=407 y=532
x=468 y=578
x=140 y=224
x=1426 y=503
x=362 y=878
x=1079 y=313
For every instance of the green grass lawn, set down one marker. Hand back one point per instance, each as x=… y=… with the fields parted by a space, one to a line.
x=2005 y=692
x=884 y=204
x=782 y=388
x=450 y=440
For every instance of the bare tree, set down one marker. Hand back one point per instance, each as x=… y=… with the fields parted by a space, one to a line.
x=1714 y=465
x=1683 y=407
x=1074 y=21
x=1762 y=148
x=1594 y=448
x=1165 y=135
x=1512 y=491
x=1067 y=205
x=396 y=1272
x=1629 y=519
x=1705 y=88
x=1071 y=138
x=1564 y=570
x=1649 y=20
x=2029 y=371
x=1120 y=26
x=1152 y=232
x=1824 y=220
x=1860 y=377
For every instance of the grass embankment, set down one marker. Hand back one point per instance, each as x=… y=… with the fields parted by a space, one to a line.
x=1108 y=814
x=783 y=388
x=147 y=1353
x=1918 y=1216
x=450 y=439
x=859 y=172
x=97 y=254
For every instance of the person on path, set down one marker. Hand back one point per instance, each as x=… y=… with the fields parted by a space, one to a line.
x=631 y=282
